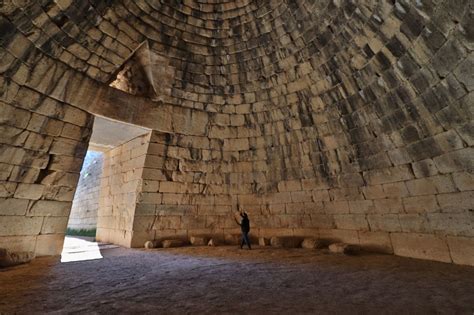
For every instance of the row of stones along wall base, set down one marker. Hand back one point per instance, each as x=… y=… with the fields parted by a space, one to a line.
x=279 y=242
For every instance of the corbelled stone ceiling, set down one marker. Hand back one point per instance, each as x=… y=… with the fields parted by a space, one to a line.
x=345 y=120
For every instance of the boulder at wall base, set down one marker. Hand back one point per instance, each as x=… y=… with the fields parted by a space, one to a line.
x=286 y=241
x=198 y=240
x=8 y=258
x=311 y=243
x=213 y=242
x=263 y=241
x=343 y=248
x=149 y=245
x=172 y=243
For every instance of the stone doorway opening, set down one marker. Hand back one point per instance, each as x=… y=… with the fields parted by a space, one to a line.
x=85 y=205
x=95 y=205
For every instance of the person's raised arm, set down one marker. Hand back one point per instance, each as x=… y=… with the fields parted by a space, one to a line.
x=236 y=219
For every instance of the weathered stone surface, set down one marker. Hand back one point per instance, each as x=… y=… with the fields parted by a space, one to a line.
x=9 y=259
x=377 y=242
x=232 y=239
x=149 y=245
x=199 y=240
x=49 y=244
x=343 y=248
x=461 y=250
x=311 y=243
x=423 y=246
x=286 y=241
x=263 y=241
x=172 y=243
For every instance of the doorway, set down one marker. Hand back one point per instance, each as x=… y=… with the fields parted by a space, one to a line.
x=89 y=201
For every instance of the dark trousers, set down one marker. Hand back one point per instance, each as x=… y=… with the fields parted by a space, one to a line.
x=245 y=240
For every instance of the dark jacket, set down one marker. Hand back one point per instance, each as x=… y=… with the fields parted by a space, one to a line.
x=245 y=224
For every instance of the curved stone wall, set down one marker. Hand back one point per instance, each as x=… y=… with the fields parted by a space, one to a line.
x=348 y=120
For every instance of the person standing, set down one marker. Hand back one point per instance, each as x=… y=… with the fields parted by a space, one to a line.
x=245 y=228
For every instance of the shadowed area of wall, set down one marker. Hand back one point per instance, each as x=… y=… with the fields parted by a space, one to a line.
x=344 y=120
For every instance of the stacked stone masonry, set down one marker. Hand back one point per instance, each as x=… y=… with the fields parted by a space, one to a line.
x=345 y=120
x=120 y=185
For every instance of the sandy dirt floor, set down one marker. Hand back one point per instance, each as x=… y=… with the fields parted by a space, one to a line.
x=196 y=280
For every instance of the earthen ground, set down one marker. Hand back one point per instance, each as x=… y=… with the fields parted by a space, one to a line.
x=229 y=280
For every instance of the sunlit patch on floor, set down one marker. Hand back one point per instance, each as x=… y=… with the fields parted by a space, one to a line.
x=81 y=249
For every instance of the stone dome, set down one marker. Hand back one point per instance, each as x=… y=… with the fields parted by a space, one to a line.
x=345 y=120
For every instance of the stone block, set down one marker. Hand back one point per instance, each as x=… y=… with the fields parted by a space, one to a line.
x=361 y=206
x=54 y=225
x=13 y=206
x=348 y=193
x=29 y=191
x=377 y=242
x=461 y=249
x=50 y=208
x=415 y=223
x=449 y=141
x=460 y=160
x=422 y=186
x=457 y=224
x=392 y=205
x=322 y=221
x=420 y=204
x=320 y=195
x=464 y=181
x=20 y=243
x=20 y=225
x=448 y=57
x=395 y=190
x=76 y=116
x=388 y=175
x=384 y=222
x=466 y=131
x=336 y=207
x=49 y=244
x=373 y=192
x=301 y=196
x=71 y=131
x=422 y=246
x=65 y=163
x=25 y=174
x=464 y=73
x=351 y=221
x=7 y=189
x=456 y=202
x=443 y=183
x=236 y=144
